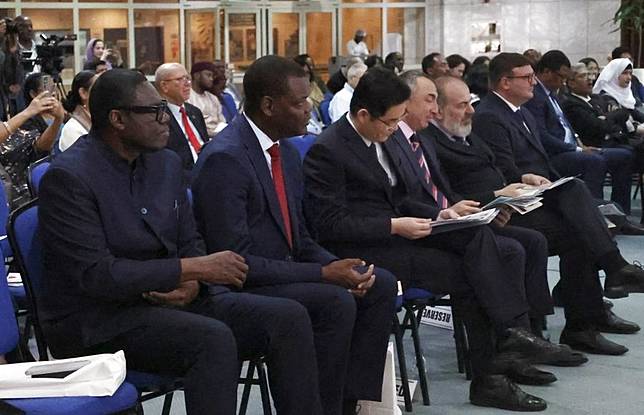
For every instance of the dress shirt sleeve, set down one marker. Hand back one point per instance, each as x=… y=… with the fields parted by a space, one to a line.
x=221 y=191
x=75 y=244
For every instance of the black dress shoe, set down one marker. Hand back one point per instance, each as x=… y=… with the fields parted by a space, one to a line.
x=538 y=350
x=520 y=371
x=629 y=279
x=497 y=391
x=631 y=229
x=612 y=323
x=591 y=341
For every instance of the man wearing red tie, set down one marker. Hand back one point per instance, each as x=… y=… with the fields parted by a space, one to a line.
x=188 y=131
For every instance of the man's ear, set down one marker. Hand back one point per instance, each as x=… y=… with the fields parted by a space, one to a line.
x=116 y=120
x=267 y=106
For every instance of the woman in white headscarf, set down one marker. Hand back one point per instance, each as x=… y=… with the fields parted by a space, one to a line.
x=614 y=84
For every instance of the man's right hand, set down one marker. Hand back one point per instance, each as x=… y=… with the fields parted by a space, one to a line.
x=225 y=268
x=411 y=228
x=534 y=180
x=511 y=190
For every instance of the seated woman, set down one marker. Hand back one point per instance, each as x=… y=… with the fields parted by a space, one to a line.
x=593 y=68
x=76 y=105
x=614 y=84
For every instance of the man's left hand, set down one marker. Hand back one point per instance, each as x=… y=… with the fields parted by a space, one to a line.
x=466 y=207
x=181 y=296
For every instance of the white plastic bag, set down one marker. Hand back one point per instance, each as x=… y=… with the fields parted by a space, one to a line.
x=101 y=377
x=388 y=404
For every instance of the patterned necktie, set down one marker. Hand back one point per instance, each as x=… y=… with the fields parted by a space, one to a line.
x=194 y=141
x=280 y=189
x=416 y=148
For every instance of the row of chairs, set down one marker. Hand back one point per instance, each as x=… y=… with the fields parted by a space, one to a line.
x=23 y=236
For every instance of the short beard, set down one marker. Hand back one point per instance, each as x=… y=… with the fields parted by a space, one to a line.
x=458 y=129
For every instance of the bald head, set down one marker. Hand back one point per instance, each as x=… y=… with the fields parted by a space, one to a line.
x=173 y=82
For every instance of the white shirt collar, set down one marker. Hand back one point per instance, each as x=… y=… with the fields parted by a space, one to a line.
x=348 y=87
x=405 y=129
x=366 y=142
x=587 y=99
x=264 y=141
x=513 y=107
x=174 y=109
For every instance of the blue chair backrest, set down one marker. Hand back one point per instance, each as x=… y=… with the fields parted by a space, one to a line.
x=303 y=143
x=324 y=111
x=36 y=172
x=4 y=210
x=25 y=241
x=229 y=108
x=8 y=324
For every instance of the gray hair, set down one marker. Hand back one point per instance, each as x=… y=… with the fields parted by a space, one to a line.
x=577 y=68
x=410 y=77
x=163 y=72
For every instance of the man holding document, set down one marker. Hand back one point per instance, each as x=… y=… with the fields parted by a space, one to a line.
x=503 y=150
x=358 y=204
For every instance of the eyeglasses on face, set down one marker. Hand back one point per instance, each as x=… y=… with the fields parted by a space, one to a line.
x=184 y=79
x=159 y=110
x=528 y=78
x=391 y=124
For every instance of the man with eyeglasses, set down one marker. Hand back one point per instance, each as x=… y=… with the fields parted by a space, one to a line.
x=568 y=155
x=358 y=203
x=569 y=219
x=203 y=77
x=188 y=131
x=127 y=270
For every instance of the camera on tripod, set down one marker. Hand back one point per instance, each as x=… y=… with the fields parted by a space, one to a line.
x=49 y=55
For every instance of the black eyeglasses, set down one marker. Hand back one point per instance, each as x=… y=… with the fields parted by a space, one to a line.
x=159 y=110
x=528 y=78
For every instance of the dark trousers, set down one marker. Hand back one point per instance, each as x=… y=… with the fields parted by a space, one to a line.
x=575 y=231
x=536 y=267
x=351 y=336
x=203 y=343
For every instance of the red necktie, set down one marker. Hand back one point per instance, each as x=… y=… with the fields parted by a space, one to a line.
x=194 y=141
x=278 y=181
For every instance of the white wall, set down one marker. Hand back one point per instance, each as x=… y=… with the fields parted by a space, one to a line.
x=579 y=28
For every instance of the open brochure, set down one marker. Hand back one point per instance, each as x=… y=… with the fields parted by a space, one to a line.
x=529 y=198
x=476 y=219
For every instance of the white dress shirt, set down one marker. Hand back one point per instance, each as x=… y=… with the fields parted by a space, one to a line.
x=340 y=103
x=357 y=49
x=174 y=109
x=265 y=142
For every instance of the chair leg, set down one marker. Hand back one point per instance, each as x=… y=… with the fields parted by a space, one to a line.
x=402 y=366
x=462 y=353
x=420 y=358
x=167 y=403
x=263 y=388
x=248 y=384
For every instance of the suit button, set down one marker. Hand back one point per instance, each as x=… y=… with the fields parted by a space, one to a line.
x=144 y=211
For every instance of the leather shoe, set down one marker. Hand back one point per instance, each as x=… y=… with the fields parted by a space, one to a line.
x=591 y=341
x=538 y=350
x=497 y=391
x=520 y=370
x=629 y=279
x=613 y=323
x=631 y=229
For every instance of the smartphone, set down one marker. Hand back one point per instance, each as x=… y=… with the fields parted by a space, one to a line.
x=56 y=370
x=48 y=84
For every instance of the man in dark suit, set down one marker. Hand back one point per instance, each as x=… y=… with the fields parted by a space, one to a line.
x=421 y=109
x=126 y=268
x=559 y=138
x=569 y=220
x=248 y=191
x=188 y=132
x=358 y=205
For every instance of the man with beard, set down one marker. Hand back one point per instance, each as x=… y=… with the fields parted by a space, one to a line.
x=202 y=81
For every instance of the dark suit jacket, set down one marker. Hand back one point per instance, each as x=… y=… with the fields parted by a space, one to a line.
x=551 y=133
x=592 y=130
x=348 y=198
x=471 y=169
x=517 y=150
x=411 y=172
x=111 y=232
x=178 y=141
x=236 y=208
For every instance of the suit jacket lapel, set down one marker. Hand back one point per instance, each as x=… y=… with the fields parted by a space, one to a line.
x=402 y=143
x=258 y=161
x=358 y=147
x=529 y=135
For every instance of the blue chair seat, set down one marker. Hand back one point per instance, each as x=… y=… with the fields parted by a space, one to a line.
x=6 y=248
x=19 y=296
x=124 y=398
x=415 y=294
